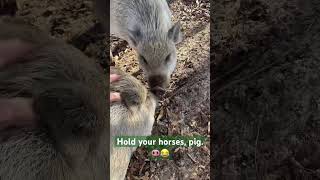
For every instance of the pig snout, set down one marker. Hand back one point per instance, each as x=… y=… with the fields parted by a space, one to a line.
x=158 y=84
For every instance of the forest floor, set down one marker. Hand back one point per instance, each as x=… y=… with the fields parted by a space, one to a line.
x=266 y=89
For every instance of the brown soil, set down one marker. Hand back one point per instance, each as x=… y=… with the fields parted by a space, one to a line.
x=185 y=108
x=266 y=82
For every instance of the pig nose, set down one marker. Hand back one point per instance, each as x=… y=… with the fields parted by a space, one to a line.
x=158 y=84
x=157 y=81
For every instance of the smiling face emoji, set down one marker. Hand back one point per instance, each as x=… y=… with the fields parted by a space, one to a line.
x=165 y=153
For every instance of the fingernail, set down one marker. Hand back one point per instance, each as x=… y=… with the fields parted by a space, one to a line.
x=115 y=97
x=114 y=77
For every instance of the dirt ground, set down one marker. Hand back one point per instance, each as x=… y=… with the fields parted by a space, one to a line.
x=266 y=89
x=185 y=108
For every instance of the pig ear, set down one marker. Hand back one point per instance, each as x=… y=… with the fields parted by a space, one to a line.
x=11 y=50
x=16 y=112
x=174 y=33
x=135 y=36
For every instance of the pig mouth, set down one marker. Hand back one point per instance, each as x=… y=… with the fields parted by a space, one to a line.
x=158 y=91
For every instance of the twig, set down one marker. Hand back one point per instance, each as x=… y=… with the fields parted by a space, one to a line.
x=192 y=158
x=140 y=171
x=255 y=151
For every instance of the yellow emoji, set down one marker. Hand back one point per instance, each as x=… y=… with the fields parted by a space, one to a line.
x=165 y=153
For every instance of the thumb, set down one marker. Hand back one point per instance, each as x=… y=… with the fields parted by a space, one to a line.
x=10 y=50
x=16 y=112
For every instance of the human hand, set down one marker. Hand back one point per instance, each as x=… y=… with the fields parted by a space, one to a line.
x=16 y=111
x=114 y=96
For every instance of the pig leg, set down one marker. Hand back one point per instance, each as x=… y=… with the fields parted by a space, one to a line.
x=70 y=116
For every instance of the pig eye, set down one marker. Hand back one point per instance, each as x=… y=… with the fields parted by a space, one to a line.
x=144 y=60
x=168 y=58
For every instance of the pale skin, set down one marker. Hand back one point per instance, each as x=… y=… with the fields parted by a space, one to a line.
x=19 y=111
x=114 y=96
